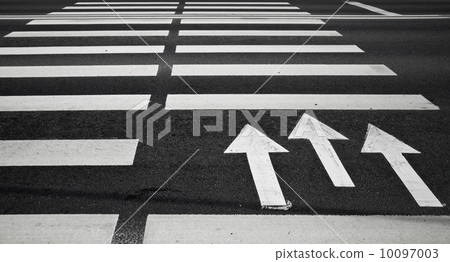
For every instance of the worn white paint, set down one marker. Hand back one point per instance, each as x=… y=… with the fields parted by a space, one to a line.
x=90 y=33
x=71 y=103
x=319 y=135
x=78 y=50
x=291 y=21
x=268 y=49
x=115 y=7
x=281 y=70
x=240 y=13
x=103 y=152
x=373 y=9
x=378 y=141
x=258 y=33
x=56 y=229
x=299 y=102
x=78 y=71
x=257 y=146
x=296 y=229
x=106 y=21
x=114 y=13
x=189 y=7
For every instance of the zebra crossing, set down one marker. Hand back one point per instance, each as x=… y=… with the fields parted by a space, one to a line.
x=58 y=228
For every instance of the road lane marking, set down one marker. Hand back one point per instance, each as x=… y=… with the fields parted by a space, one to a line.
x=251 y=21
x=319 y=135
x=378 y=141
x=111 y=21
x=238 y=3
x=295 y=229
x=78 y=71
x=283 y=70
x=257 y=33
x=127 y=3
x=239 y=13
x=56 y=229
x=299 y=102
x=113 y=13
x=98 y=33
x=187 y=7
x=268 y=49
x=119 y=7
x=58 y=50
x=373 y=9
x=71 y=103
x=257 y=147
x=103 y=152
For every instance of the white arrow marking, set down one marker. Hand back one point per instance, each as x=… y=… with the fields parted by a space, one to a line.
x=257 y=146
x=319 y=134
x=378 y=141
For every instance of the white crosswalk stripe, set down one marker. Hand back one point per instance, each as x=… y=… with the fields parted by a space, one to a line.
x=281 y=70
x=56 y=229
x=239 y=13
x=125 y=3
x=295 y=229
x=267 y=49
x=299 y=102
x=106 y=21
x=188 y=7
x=78 y=71
x=114 y=13
x=292 y=21
x=258 y=33
x=115 y=7
x=71 y=103
x=90 y=33
x=57 y=50
x=103 y=152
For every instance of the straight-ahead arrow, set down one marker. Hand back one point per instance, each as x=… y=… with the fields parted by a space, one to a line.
x=378 y=141
x=319 y=135
x=257 y=146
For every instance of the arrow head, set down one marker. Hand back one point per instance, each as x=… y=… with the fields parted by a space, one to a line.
x=250 y=140
x=378 y=141
x=308 y=128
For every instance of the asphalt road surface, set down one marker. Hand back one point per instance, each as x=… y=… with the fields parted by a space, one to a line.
x=66 y=158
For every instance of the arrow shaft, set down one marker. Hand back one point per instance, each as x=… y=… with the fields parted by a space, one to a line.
x=265 y=179
x=331 y=162
x=415 y=185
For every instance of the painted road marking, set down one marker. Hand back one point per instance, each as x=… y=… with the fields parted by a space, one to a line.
x=378 y=141
x=268 y=49
x=71 y=103
x=114 y=13
x=281 y=70
x=295 y=229
x=252 y=21
x=319 y=135
x=257 y=33
x=111 y=21
x=126 y=3
x=257 y=147
x=78 y=71
x=119 y=7
x=238 y=3
x=299 y=102
x=58 y=50
x=238 y=13
x=99 y=33
x=104 y=152
x=242 y=7
x=56 y=229
x=373 y=9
